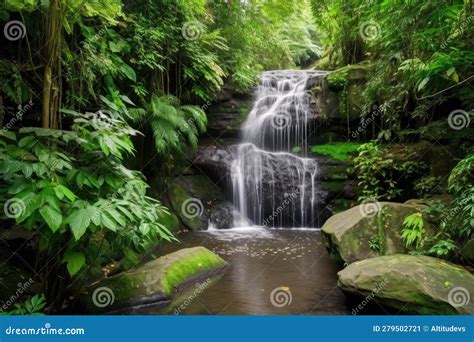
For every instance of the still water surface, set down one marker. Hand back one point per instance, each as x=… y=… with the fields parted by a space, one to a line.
x=292 y=261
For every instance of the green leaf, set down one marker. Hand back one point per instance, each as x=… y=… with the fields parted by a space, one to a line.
x=61 y=191
x=53 y=217
x=144 y=228
x=108 y=222
x=79 y=221
x=129 y=72
x=75 y=261
x=423 y=83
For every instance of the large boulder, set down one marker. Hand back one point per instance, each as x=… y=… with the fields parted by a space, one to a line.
x=366 y=231
x=157 y=281
x=413 y=284
x=192 y=198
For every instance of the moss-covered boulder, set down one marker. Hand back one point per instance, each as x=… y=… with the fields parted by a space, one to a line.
x=341 y=77
x=192 y=199
x=366 y=231
x=157 y=281
x=413 y=284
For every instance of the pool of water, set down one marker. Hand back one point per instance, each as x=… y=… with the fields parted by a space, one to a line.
x=271 y=272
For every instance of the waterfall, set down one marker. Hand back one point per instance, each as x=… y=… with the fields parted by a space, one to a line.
x=271 y=185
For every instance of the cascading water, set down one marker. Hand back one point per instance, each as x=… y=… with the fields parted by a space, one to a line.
x=271 y=185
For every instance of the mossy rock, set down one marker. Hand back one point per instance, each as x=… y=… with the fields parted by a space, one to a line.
x=157 y=281
x=348 y=234
x=340 y=151
x=341 y=77
x=192 y=199
x=414 y=284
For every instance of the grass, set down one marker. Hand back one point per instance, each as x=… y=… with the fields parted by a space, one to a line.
x=336 y=150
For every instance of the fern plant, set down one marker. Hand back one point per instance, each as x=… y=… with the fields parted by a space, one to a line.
x=413 y=231
x=174 y=126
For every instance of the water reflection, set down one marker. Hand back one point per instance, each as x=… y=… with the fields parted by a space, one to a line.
x=262 y=260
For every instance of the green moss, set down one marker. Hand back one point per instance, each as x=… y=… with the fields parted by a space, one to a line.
x=296 y=149
x=185 y=269
x=159 y=280
x=333 y=186
x=178 y=196
x=341 y=77
x=336 y=150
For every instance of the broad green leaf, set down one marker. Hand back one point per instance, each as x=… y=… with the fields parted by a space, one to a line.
x=75 y=261
x=79 y=221
x=108 y=222
x=129 y=72
x=52 y=217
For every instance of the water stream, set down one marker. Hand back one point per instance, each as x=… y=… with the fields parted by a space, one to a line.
x=271 y=270
x=272 y=186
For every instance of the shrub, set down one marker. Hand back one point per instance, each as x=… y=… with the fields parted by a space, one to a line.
x=71 y=187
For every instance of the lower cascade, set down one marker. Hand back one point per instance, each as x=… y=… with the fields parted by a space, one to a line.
x=271 y=185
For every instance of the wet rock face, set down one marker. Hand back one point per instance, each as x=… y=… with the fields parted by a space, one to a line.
x=216 y=162
x=225 y=216
x=226 y=116
x=283 y=183
x=281 y=189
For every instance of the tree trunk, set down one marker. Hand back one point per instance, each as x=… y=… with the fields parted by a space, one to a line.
x=51 y=88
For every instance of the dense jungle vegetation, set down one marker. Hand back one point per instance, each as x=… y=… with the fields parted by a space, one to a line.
x=99 y=96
